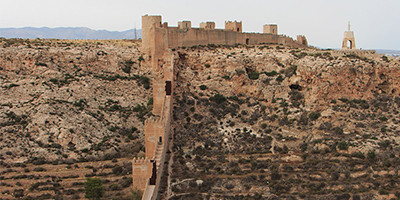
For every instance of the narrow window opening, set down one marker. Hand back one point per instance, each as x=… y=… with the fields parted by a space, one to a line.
x=154 y=174
x=168 y=87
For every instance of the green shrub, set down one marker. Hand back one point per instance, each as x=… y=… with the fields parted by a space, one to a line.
x=18 y=193
x=358 y=155
x=94 y=188
x=253 y=75
x=127 y=66
x=290 y=71
x=264 y=126
x=385 y=58
x=314 y=115
x=301 y=55
x=271 y=73
x=383 y=118
x=279 y=78
x=145 y=81
x=136 y=194
x=203 y=87
x=296 y=97
x=226 y=77
x=371 y=156
x=41 y=64
x=343 y=145
x=239 y=72
x=218 y=98
x=126 y=182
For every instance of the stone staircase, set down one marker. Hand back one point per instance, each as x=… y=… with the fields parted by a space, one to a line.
x=158 y=154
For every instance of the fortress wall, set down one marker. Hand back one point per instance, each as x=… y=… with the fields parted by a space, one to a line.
x=193 y=37
x=157 y=38
x=257 y=38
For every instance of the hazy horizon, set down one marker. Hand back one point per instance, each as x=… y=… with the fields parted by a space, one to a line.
x=322 y=22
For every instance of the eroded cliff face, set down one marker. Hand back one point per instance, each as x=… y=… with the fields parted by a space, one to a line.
x=70 y=99
x=322 y=76
x=258 y=122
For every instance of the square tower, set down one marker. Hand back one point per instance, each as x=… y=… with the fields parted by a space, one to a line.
x=185 y=25
x=207 y=25
x=149 y=23
x=271 y=29
x=233 y=26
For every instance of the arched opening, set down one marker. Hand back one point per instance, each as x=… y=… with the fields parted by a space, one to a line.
x=237 y=29
x=349 y=44
x=247 y=41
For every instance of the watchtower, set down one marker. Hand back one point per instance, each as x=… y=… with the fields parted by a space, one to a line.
x=149 y=23
x=301 y=39
x=233 y=26
x=271 y=29
x=185 y=25
x=207 y=25
x=349 y=42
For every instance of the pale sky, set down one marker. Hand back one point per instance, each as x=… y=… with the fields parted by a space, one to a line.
x=376 y=23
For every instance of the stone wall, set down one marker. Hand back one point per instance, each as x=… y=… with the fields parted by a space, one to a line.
x=141 y=172
x=173 y=37
x=147 y=171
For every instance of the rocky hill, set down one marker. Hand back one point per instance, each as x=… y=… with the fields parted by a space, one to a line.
x=70 y=110
x=250 y=122
x=268 y=122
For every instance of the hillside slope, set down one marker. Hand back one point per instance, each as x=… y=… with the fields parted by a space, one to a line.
x=276 y=123
x=70 y=110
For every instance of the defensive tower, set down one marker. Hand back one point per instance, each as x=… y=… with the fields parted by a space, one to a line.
x=233 y=26
x=271 y=29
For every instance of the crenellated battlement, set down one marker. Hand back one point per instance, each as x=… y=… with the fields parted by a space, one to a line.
x=152 y=121
x=186 y=36
x=140 y=160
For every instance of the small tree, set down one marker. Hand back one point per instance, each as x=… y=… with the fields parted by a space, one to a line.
x=93 y=188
